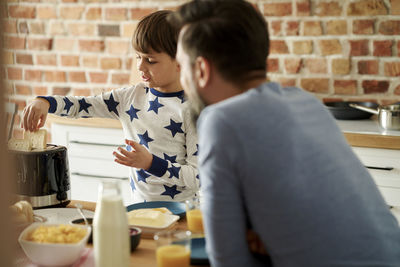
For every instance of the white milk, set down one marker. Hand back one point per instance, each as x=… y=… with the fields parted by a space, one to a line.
x=110 y=228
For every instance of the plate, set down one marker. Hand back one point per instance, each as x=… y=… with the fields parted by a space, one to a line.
x=198 y=254
x=62 y=215
x=177 y=208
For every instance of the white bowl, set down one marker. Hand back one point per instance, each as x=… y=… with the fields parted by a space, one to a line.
x=52 y=254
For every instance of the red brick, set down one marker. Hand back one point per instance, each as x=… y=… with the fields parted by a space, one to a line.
x=77 y=76
x=398 y=48
x=365 y=26
x=390 y=27
x=13 y=42
x=293 y=65
x=70 y=60
x=40 y=90
x=33 y=75
x=91 y=62
x=55 y=76
x=23 y=27
x=9 y=88
x=128 y=64
x=345 y=87
x=61 y=90
x=292 y=28
x=108 y=30
x=315 y=85
x=10 y=26
x=21 y=104
x=278 y=47
x=116 y=14
x=397 y=90
x=316 y=65
x=312 y=28
x=359 y=48
x=276 y=28
x=287 y=82
x=139 y=13
x=392 y=69
x=128 y=29
x=328 y=9
x=21 y=89
x=46 y=60
x=57 y=28
x=93 y=13
x=303 y=8
x=374 y=86
x=278 y=9
x=367 y=8
x=91 y=45
x=336 y=27
x=395 y=7
x=22 y=11
x=24 y=59
x=40 y=44
x=14 y=73
x=46 y=12
x=71 y=12
x=36 y=27
x=302 y=47
x=272 y=65
x=8 y=57
x=81 y=29
x=120 y=78
x=117 y=47
x=98 y=77
x=81 y=92
x=383 y=48
x=110 y=63
x=368 y=67
x=341 y=66
x=63 y=44
x=330 y=47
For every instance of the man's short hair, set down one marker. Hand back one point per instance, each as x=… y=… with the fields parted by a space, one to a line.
x=230 y=33
x=154 y=32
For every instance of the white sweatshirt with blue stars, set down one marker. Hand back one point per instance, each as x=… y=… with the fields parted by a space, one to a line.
x=159 y=121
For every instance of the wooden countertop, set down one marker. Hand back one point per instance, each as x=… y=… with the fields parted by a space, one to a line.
x=87 y=122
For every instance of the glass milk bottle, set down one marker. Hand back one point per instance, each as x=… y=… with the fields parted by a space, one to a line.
x=110 y=228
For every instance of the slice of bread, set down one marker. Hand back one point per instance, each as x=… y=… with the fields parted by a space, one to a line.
x=37 y=139
x=19 y=144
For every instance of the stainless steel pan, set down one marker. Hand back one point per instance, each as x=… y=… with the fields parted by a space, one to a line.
x=389 y=115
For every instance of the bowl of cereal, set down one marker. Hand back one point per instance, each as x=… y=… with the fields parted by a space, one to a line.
x=54 y=244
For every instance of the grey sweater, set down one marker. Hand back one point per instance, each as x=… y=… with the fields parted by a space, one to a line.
x=273 y=159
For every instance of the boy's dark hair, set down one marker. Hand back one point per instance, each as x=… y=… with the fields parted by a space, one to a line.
x=156 y=33
x=230 y=33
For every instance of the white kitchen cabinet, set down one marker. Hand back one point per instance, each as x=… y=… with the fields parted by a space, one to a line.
x=90 y=159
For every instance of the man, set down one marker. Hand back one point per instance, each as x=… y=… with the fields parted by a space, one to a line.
x=272 y=159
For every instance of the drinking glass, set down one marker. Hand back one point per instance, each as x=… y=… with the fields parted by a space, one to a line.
x=194 y=216
x=173 y=248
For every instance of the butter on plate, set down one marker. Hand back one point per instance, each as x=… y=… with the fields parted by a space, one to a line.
x=152 y=218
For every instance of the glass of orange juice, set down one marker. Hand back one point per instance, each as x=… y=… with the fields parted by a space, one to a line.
x=173 y=248
x=194 y=216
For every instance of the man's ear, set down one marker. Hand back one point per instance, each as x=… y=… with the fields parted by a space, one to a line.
x=202 y=71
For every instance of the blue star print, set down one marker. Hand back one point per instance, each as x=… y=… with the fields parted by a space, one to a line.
x=142 y=175
x=174 y=127
x=147 y=89
x=132 y=183
x=83 y=105
x=195 y=153
x=170 y=158
x=170 y=191
x=132 y=112
x=145 y=139
x=174 y=171
x=112 y=104
x=155 y=105
x=182 y=98
x=68 y=104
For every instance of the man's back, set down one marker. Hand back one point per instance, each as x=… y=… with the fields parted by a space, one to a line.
x=303 y=190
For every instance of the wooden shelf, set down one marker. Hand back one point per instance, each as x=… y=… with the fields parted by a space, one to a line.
x=373 y=140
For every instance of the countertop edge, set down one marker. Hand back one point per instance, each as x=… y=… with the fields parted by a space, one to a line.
x=373 y=140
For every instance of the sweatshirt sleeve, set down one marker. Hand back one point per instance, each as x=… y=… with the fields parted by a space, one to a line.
x=106 y=105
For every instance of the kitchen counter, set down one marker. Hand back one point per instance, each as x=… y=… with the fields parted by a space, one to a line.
x=368 y=133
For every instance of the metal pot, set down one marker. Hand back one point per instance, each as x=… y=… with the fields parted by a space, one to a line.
x=389 y=115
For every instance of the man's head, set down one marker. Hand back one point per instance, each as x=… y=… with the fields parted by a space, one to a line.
x=228 y=37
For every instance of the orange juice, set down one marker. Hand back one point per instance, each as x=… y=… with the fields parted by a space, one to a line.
x=195 y=220
x=173 y=256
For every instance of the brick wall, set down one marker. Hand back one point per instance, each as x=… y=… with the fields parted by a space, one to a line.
x=337 y=49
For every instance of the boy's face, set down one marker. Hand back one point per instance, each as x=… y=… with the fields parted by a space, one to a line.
x=158 y=70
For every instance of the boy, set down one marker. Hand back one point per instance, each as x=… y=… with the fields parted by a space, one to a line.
x=161 y=140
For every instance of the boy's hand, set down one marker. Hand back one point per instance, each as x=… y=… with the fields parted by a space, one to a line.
x=34 y=115
x=255 y=244
x=139 y=157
